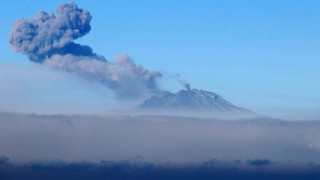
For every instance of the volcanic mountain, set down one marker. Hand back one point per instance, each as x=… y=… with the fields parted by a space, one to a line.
x=192 y=101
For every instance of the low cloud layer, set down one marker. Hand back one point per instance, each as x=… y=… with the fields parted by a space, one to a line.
x=151 y=147
x=157 y=139
x=48 y=39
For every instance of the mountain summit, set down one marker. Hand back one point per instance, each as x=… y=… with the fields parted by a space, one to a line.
x=192 y=101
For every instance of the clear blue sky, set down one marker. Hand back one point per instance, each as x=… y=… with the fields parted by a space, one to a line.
x=262 y=55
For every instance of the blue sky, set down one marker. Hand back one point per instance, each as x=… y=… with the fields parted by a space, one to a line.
x=261 y=55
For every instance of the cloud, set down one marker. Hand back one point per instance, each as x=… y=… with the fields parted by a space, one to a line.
x=158 y=139
x=152 y=147
x=123 y=76
x=48 y=40
x=46 y=34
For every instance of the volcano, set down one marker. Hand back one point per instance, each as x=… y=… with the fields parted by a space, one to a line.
x=192 y=101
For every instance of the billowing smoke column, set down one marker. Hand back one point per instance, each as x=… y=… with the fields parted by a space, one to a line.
x=48 y=40
x=45 y=35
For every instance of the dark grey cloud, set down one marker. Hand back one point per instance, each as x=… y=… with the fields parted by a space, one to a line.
x=48 y=39
x=47 y=34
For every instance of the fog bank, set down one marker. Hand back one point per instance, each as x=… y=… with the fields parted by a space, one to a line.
x=156 y=139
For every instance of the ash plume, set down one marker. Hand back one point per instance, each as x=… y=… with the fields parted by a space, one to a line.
x=48 y=39
x=45 y=35
x=185 y=85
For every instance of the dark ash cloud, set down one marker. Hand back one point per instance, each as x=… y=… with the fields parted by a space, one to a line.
x=47 y=34
x=48 y=39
